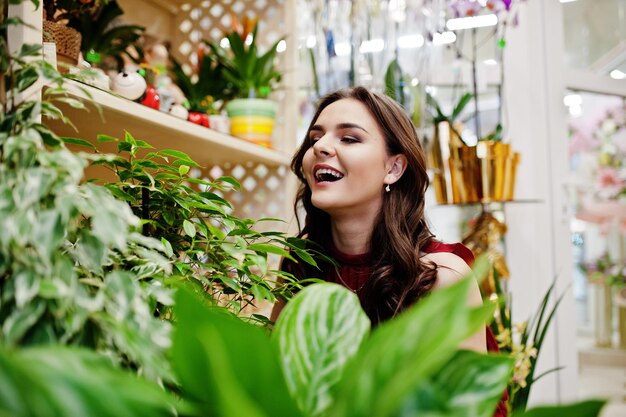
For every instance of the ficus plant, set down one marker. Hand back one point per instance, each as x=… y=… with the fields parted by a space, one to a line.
x=74 y=266
x=211 y=249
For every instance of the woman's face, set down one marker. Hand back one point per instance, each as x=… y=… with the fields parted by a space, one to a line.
x=347 y=166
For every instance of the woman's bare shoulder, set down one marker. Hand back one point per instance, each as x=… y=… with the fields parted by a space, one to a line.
x=450 y=267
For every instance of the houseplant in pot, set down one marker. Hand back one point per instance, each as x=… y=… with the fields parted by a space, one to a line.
x=106 y=43
x=252 y=75
x=68 y=40
x=203 y=88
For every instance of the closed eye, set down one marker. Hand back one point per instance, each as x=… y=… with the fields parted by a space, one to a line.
x=349 y=139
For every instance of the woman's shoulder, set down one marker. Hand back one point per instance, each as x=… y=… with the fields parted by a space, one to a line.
x=453 y=261
x=458 y=249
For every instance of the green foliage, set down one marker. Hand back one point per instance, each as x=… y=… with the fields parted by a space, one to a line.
x=532 y=335
x=209 y=86
x=211 y=249
x=102 y=40
x=319 y=331
x=225 y=366
x=437 y=113
x=251 y=73
x=394 y=82
x=589 y=408
x=315 y=343
x=469 y=384
x=60 y=381
x=74 y=268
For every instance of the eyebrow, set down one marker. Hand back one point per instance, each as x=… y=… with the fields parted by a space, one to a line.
x=340 y=126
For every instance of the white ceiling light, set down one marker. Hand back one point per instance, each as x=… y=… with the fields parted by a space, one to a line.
x=372 y=45
x=342 y=49
x=572 y=99
x=617 y=74
x=443 y=38
x=410 y=41
x=472 y=22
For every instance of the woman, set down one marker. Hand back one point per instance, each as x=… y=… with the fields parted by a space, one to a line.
x=363 y=179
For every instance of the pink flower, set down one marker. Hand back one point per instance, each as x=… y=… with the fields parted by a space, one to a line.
x=465 y=8
x=494 y=6
x=610 y=181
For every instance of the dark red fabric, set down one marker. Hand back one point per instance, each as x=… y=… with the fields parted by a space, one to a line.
x=354 y=270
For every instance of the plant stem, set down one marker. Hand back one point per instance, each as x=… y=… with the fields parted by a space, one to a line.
x=475 y=84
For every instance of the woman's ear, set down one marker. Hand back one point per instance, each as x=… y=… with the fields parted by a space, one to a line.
x=396 y=165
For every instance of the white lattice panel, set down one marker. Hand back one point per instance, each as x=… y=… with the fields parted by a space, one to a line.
x=263 y=192
x=209 y=19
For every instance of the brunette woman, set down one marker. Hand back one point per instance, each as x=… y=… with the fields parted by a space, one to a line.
x=363 y=179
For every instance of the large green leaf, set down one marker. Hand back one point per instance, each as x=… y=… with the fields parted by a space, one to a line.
x=227 y=367
x=319 y=331
x=590 y=408
x=405 y=351
x=61 y=381
x=469 y=384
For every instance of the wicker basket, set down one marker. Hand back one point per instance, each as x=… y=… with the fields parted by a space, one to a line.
x=67 y=41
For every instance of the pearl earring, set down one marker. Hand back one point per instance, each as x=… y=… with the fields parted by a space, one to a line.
x=387 y=188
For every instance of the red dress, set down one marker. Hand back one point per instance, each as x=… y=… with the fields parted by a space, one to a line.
x=354 y=270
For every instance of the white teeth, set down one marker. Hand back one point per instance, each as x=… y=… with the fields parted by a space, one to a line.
x=329 y=171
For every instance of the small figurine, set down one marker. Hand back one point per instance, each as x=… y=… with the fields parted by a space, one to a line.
x=130 y=85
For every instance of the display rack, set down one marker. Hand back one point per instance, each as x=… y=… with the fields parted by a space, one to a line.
x=112 y=115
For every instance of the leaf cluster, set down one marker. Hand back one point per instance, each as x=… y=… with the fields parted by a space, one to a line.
x=212 y=250
x=251 y=73
x=437 y=113
x=533 y=334
x=321 y=360
x=209 y=86
x=74 y=268
x=103 y=39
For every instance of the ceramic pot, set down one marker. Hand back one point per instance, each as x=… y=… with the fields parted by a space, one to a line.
x=252 y=119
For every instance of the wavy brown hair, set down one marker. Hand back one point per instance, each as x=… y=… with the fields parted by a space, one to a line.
x=399 y=277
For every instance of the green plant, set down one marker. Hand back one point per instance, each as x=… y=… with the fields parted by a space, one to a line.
x=334 y=365
x=74 y=267
x=322 y=360
x=526 y=347
x=215 y=251
x=251 y=73
x=437 y=113
x=102 y=40
x=208 y=85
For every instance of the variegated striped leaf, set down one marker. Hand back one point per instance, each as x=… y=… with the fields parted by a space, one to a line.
x=319 y=331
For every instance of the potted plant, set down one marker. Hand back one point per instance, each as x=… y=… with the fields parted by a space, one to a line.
x=102 y=40
x=252 y=75
x=68 y=40
x=204 y=88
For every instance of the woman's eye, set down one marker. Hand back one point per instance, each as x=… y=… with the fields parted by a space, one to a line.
x=349 y=139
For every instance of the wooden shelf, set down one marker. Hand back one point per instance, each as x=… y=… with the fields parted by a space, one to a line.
x=163 y=131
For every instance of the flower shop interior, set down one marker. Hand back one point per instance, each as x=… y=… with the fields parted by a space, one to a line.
x=520 y=106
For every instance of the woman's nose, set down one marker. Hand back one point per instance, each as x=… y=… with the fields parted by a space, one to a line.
x=324 y=146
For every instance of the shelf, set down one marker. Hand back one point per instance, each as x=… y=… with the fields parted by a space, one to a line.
x=163 y=131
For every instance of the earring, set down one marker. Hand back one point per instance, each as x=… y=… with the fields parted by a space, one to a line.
x=387 y=188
